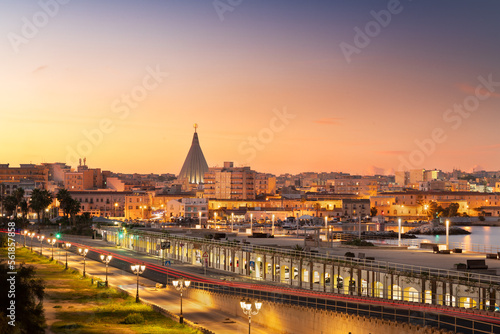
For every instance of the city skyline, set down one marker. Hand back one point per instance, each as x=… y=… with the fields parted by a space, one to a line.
x=283 y=87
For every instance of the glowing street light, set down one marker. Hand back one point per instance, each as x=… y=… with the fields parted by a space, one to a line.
x=251 y=223
x=67 y=245
x=359 y=225
x=399 y=232
x=232 y=221
x=138 y=270
x=83 y=252
x=272 y=226
x=116 y=205
x=247 y=308
x=31 y=235
x=106 y=259
x=24 y=233
x=40 y=238
x=52 y=241
x=199 y=218
x=447 y=234
x=181 y=285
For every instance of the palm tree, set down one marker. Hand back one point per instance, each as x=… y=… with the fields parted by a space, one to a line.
x=18 y=194
x=10 y=205
x=40 y=200
x=65 y=200
x=74 y=209
x=24 y=209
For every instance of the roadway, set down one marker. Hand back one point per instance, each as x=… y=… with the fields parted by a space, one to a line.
x=119 y=275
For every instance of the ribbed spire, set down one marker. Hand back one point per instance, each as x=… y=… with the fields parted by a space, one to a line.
x=195 y=164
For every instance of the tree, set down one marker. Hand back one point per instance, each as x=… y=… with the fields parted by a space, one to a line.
x=19 y=196
x=24 y=209
x=317 y=207
x=29 y=295
x=65 y=200
x=433 y=210
x=74 y=209
x=40 y=200
x=373 y=211
x=453 y=209
x=10 y=204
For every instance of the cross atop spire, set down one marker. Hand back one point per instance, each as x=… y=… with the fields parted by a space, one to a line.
x=195 y=127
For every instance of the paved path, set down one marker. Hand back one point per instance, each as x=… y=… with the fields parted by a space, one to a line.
x=167 y=298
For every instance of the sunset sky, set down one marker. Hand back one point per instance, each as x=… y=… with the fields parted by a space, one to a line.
x=268 y=82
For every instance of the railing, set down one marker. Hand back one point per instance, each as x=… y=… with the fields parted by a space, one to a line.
x=378 y=266
x=406 y=315
x=468 y=247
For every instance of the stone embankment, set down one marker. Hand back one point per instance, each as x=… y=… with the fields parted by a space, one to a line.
x=387 y=235
x=437 y=230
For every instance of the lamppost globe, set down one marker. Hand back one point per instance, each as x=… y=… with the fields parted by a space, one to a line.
x=25 y=232
x=246 y=306
x=40 y=238
x=106 y=259
x=51 y=242
x=138 y=270
x=67 y=245
x=181 y=285
x=83 y=252
x=31 y=235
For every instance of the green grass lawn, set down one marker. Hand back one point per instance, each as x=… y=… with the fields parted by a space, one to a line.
x=83 y=308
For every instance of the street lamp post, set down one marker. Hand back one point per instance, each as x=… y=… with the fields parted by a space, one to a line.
x=247 y=308
x=399 y=232
x=138 y=270
x=326 y=228
x=40 y=238
x=199 y=218
x=181 y=285
x=31 y=235
x=24 y=233
x=447 y=234
x=359 y=225
x=272 y=226
x=232 y=221
x=67 y=245
x=83 y=252
x=106 y=259
x=251 y=223
x=52 y=241
x=116 y=204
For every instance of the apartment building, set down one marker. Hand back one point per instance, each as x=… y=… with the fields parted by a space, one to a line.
x=229 y=182
x=32 y=172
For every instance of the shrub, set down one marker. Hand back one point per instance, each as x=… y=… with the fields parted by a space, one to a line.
x=358 y=242
x=134 y=318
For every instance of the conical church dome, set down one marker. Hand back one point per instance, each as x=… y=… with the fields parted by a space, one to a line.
x=195 y=164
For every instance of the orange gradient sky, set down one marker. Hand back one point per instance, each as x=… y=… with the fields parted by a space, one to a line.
x=233 y=76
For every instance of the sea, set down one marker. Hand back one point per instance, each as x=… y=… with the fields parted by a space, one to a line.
x=481 y=237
